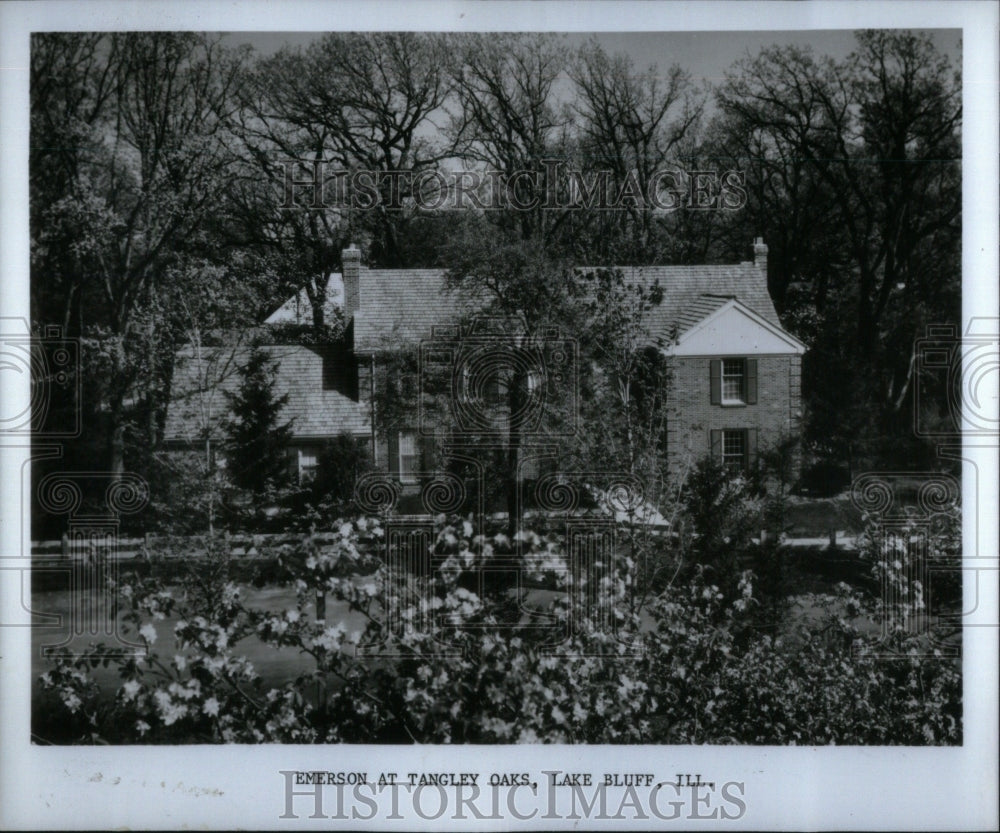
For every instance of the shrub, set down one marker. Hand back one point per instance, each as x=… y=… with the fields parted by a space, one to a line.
x=438 y=662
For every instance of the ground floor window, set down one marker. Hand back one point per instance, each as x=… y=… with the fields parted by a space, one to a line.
x=409 y=458
x=734 y=449
x=305 y=462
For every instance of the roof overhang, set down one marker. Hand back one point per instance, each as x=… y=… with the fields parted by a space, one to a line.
x=734 y=329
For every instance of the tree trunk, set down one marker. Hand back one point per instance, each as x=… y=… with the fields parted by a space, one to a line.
x=116 y=449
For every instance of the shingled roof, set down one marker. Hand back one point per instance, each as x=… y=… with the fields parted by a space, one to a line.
x=198 y=403
x=690 y=293
x=399 y=306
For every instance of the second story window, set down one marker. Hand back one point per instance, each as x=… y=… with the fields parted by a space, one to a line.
x=732 y=381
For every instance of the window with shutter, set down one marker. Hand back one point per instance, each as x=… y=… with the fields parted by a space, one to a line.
x=409 y=458
x=308 y=463
x=733 y=382
x=734 y=449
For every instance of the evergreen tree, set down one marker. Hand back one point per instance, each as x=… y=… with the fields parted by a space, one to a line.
x=257 y=441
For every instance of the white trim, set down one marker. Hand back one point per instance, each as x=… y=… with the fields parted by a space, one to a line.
x=795 y=346
x=405 y=477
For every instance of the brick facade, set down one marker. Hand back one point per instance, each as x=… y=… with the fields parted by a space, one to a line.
x=775 y=415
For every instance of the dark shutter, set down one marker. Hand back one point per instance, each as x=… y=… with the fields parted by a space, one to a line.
x=750 y=448
x=751 y=381
x=715 y=380
x=715 y=443
x=429 y=452
x=393 y=452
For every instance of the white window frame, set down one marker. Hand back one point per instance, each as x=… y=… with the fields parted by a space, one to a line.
x=307 y=473
x=407 y=474
x=729 y=458
x=737 y=369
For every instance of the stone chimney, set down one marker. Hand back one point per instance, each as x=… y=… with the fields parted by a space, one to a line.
x=350 y=267
x=760 y=254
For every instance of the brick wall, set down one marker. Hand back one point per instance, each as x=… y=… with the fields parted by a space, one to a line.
x=775 y=415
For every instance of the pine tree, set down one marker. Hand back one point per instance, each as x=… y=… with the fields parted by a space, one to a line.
x=257 y=441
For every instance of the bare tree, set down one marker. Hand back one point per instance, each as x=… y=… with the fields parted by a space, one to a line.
x=310 y=119
x=632 y=123
x=510 y=117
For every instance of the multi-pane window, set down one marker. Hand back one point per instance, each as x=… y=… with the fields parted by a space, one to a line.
x=409 y=458
x=308 y=463
x=733 y=381
x=733 y=373
x=734 y=447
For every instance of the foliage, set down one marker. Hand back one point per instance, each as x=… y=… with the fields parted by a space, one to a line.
x=917 y=560
x=257 y=440
x=463 y=666
x=853 y=176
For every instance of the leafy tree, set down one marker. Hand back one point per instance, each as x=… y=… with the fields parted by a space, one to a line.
x=858 y=166
x=144 y=154
x=257 y=438
x=341 y=462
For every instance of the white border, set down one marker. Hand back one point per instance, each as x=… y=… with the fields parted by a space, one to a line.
x=786 y=788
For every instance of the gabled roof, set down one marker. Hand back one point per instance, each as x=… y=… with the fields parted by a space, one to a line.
x=733 y=328
x=692 y=292
x=198 y=403
x=403 y=305
x=298 y=309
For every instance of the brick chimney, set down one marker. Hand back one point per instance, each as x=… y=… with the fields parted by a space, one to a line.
x=350 y=267
x=760 y=254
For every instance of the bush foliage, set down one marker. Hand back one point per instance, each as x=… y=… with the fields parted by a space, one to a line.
x=438 y=662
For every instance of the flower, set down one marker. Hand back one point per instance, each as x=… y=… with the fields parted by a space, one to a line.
x=130 y=689
x=211 y=707
x=170 y=711
x=148 y=632
x=141 y=727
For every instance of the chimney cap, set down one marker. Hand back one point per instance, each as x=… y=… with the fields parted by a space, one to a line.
x=759 y=241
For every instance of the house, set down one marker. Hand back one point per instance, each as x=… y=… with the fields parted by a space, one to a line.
x=735 y=371
x=319 y=381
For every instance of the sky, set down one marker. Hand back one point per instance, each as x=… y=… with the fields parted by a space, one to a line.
x=706 y=55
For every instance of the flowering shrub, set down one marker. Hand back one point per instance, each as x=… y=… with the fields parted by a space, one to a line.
x=448 y=655
x=916 y=562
